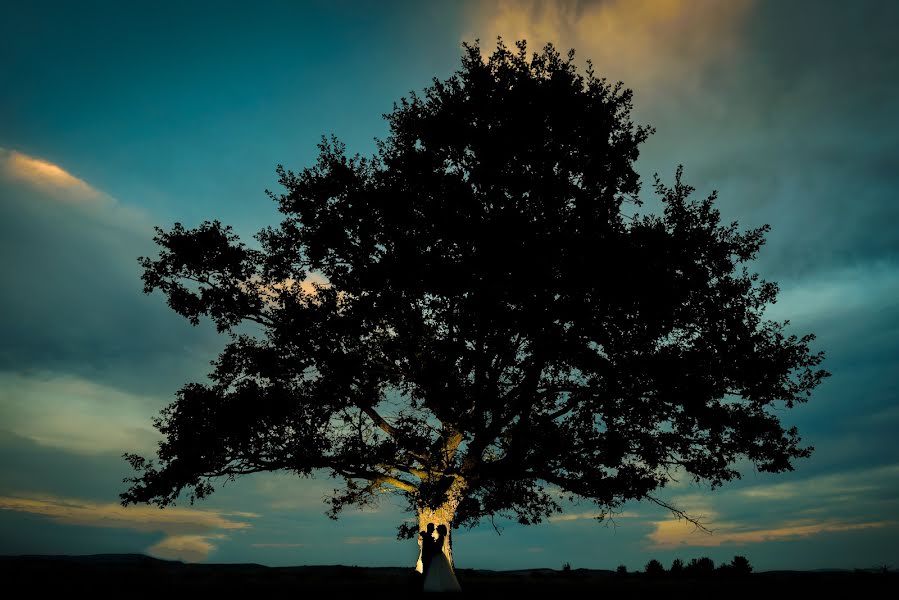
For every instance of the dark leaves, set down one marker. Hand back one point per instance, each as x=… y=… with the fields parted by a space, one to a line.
x=489 y=297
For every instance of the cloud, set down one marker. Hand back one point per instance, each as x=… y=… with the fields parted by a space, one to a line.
x=191 y=548
x=289 y=492
x=795 y=129
x=762 y=115
x=566 y=517
x=48 y=176
x=838 y=293
x=675 y=534
x=835 y=487
x=271 y=293
x=277 y=545
x=371 y=539
x=645 y=43
x=696 y=505
x=55 y=188
x=173 y=520
x=189 y=533
x=781 y=511
x=76 y=305
x=78 y=415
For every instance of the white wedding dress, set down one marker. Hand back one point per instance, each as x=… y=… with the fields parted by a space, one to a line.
x=440 y=576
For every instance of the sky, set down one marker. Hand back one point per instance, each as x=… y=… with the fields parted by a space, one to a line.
x=115 y=117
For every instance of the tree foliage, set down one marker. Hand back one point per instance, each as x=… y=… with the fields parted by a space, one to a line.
x=498 y=327
x=740 y=565
x=654 y=568
x=700 y=566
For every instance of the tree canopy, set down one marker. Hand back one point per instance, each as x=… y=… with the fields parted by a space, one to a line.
x=479 y=319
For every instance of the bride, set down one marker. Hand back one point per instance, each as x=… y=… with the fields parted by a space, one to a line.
x=439 y=576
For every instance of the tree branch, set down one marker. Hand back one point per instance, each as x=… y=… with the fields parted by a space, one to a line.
x=420 y=473
x=260 y=318
x=397 y=434
x=376 y=478
x=570 y=404
x=380 y=422
x=679 y=513
x=513 y=402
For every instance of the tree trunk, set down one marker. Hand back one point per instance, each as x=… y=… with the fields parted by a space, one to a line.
x=442 y=515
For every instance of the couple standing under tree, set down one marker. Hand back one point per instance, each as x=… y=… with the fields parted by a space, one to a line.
x=438 y=573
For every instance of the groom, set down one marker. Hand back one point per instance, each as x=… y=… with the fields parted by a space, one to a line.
x=429 y=548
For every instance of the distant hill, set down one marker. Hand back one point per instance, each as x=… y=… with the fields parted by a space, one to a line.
x=136 y=574
x=120 y=559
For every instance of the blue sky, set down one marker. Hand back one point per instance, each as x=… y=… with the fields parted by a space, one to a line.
x=115 y=117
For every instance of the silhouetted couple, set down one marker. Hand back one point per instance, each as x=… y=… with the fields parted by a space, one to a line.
x=438 y=573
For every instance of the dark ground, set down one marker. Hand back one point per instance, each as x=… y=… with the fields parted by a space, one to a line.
x=142 y=576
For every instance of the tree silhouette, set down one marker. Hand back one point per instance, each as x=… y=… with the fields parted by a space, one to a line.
x=654 y=568
x=471 y=320
x=700 y=566
x=740 y=565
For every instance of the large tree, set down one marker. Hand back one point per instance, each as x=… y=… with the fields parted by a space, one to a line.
x=470 y=318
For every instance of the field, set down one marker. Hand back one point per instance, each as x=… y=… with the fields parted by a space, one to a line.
x=130 y=575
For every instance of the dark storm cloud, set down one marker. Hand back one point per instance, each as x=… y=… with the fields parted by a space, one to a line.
x=798 y=131
x=827 y=87
x=26 y=466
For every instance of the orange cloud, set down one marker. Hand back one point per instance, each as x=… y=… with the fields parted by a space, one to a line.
x=271 y=292
x=48 y=176
x=648 y=44
x=54 y=184
x=675 y=534
x=189 y=532
x=190 y=548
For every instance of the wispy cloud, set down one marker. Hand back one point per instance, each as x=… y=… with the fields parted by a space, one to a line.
x=675 y=534
x=371 y=539
x=48 y=176
x=276 y=545
x=73 y=413
x=288 y=492
x=697 y=505
x=566 y=517
x=53 y=185
x=189 y=533
x=838 y=292
x=780 y=511
x=826 y=488
x=650 y=42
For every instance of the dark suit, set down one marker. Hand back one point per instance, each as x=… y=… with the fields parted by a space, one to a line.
x=429 y=549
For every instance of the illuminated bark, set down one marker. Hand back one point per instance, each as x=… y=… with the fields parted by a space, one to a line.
x=441 y=515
